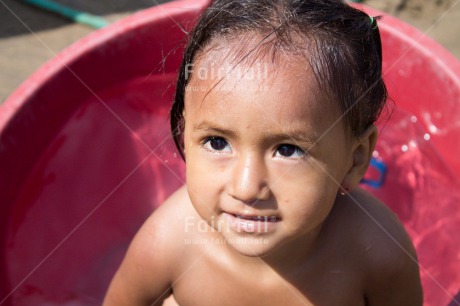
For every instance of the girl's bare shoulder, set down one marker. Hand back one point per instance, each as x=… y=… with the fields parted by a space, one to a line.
x=147 y=272
x=165 y=226
x=383 y=249
x=376 y=225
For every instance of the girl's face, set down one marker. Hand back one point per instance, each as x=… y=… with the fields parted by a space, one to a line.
x=265 y=155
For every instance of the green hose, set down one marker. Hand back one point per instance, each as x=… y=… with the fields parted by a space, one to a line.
x=74 y=15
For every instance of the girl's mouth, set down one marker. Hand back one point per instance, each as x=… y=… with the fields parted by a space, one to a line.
x=254 y=224
x=257 y=218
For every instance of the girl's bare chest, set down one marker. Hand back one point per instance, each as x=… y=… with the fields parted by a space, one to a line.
x=207 y=283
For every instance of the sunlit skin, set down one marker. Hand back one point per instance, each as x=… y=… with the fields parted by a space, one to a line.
x=261 y=220
x=274 y=151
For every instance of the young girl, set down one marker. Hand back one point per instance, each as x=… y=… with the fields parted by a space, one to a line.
x=274 y=116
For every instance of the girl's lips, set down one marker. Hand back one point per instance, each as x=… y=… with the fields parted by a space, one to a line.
x=252 y=223
x=257 y=218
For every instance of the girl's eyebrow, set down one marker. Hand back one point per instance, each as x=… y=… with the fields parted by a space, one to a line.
x=209 y=127
x=296 y=136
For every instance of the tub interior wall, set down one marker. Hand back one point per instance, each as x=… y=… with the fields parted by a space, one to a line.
x=71 y=85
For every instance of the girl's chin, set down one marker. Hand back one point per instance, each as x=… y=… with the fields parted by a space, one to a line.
x=250 y=246
x=253 y=246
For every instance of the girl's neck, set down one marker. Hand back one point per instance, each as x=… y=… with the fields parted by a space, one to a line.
x=286 y=259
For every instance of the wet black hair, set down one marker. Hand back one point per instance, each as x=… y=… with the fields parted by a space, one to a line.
x=343 y=47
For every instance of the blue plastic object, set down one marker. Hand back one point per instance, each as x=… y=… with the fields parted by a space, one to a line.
x=381 y=169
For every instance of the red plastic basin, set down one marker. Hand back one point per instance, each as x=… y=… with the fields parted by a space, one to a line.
x=86 y=155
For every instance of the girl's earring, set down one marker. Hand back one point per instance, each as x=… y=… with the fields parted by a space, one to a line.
x=343 y=191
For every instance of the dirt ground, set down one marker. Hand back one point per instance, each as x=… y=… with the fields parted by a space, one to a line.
x=30 y=36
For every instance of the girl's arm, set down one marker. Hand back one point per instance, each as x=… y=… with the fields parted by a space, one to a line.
x=394 y=277
x=145 y=275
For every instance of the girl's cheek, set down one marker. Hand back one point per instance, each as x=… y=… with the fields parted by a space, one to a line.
x=292 y=170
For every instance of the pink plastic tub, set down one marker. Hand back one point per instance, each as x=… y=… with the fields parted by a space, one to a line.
x=85 y=156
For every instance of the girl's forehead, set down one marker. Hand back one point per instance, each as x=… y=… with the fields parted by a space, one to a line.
x=249 y=49
x=283 y=89
x=250 y=61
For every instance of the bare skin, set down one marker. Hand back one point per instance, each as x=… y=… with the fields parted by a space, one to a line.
x=350 y=266
x=262 y=220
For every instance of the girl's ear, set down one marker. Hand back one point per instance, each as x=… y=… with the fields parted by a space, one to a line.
x=362 y=150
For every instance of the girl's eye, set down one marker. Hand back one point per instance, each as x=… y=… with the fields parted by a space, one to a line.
x=291 y=151
x=217 y=144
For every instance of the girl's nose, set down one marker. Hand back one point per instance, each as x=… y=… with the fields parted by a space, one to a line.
x=249 y=180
